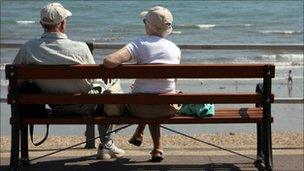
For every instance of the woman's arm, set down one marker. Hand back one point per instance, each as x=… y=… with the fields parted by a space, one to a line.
x=117 y=58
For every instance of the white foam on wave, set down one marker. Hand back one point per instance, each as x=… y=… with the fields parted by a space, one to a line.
x=285 y=65
x=268 y=56
x=4 y=82
x=176 y=32
x=186 y=26
x=294 y=57
x=247 y=25
x=2 y=66
x=206 y=26
x=233 y=79
x=281 y=32
x=290 y=59
x=25 y=22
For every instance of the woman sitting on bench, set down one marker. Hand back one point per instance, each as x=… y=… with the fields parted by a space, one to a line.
x=150 y=49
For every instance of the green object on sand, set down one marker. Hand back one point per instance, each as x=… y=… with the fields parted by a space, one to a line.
x=198 y=110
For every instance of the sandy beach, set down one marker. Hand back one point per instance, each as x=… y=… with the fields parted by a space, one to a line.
x=283 y=143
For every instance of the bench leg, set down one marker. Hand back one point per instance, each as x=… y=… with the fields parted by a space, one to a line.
x=259 y=142
x=267 y=147
x=14 y=160
x=24 y=146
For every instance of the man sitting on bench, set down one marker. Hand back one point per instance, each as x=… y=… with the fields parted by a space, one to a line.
x=55 y=48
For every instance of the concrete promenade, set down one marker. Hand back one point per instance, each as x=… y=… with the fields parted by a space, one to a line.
x=286 y=159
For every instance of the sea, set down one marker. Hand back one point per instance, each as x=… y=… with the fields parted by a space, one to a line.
x=219 y=22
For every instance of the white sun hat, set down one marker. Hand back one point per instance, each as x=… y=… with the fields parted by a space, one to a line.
x=160 y=18
x=53 y=13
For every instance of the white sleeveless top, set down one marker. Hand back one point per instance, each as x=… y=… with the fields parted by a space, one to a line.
x=154 y=50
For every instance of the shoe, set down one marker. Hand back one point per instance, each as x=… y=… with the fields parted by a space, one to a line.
x=136 y=141
x=157 y=155
x=109 y=150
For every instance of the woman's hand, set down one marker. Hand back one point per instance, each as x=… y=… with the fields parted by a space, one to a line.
x=115 y=59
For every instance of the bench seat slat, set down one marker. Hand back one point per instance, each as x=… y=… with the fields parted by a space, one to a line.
x=141 y=98
x=242 y=115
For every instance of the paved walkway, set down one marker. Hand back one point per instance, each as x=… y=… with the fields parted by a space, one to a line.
x=171 y=162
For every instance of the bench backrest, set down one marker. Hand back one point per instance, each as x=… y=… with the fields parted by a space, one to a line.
x=28 y=72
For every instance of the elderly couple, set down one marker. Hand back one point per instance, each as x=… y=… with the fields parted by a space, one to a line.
x=55 y=48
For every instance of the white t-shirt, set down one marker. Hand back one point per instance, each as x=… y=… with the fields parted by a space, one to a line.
x=53 y=49
x=154 y=50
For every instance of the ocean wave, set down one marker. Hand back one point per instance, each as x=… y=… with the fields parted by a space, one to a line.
x=185 y=26
x=280 y=57
x=2 y=66
x=277 y=78
x=277 y=59
x=176 y=32
x=284 y=65
x=287 y=65
x=209 y=26
x=264 y=57
x=195 y=26
x=4 y=82
x=246 y=60
x=289 y=32
x=25 y=22
x=295 y=57
x=206 y=26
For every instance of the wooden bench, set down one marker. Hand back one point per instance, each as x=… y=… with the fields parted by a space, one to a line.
x=259 y=113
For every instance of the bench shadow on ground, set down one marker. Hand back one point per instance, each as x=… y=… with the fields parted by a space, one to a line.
x=90 y=163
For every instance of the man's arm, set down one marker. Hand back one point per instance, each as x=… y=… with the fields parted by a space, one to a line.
x=117 y=58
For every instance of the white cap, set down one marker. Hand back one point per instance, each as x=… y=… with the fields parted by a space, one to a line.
x=159 y=17
x=53 y=13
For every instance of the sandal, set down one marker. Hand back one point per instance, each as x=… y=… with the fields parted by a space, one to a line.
x=136 y=141
x=157 y=155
